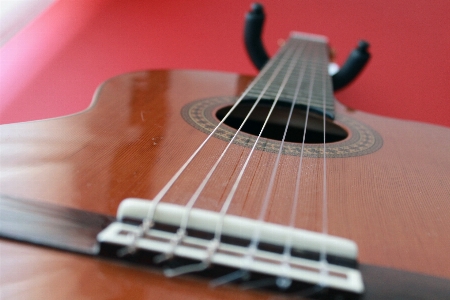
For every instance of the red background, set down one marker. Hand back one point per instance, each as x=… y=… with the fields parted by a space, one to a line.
x=54 y=65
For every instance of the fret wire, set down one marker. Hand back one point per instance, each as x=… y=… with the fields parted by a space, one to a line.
x=320 y=65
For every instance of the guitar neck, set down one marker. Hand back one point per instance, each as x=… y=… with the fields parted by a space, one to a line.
x=298 y=72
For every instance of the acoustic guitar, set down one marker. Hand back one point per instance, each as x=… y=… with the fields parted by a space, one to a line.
x=206 y=185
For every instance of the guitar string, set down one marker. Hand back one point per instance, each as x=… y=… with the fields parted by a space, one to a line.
x=181 y=232
x=282 y=281
x=146 y=226
x=297 y=55
x=248 y=258
x=323 y=252
x=215 y=242
x=183 y=225
x=323 y=267
x=256 y=234
x=147 y=222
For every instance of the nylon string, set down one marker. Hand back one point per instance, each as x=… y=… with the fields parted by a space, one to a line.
x=148 y=222
x=255 y=238
x=216 y=240
x=282 y=281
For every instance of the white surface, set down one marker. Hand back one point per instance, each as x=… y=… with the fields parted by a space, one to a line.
x=299 y=269
x=239 y=227
x=16 y=14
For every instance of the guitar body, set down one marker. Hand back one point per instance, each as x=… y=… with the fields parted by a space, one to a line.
x=393 y=200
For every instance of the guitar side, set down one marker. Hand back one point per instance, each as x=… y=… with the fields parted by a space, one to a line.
x=393 y=203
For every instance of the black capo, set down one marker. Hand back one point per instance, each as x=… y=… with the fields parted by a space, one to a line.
x=254 y=22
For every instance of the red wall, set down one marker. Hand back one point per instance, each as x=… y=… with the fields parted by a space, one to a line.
x=53 y=66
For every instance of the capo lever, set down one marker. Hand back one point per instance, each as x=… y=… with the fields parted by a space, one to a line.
x=254 y=22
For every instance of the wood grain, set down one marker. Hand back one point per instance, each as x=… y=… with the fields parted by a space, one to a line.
x=393 y=203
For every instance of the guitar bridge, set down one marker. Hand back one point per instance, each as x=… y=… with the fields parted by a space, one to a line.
x=270 y=264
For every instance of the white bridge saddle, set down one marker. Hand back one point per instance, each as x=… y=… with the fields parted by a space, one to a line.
x=296 y=268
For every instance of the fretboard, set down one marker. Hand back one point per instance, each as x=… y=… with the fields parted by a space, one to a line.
x=304 y=61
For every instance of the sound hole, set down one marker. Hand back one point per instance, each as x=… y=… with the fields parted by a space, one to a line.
x=277 y=122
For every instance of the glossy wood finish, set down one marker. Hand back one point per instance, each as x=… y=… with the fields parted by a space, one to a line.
x=76 y=230
x=393 y=203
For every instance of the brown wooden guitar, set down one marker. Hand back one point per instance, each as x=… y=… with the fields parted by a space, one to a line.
x=387 y=182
